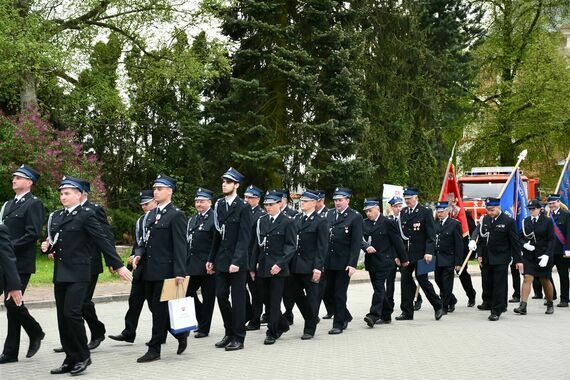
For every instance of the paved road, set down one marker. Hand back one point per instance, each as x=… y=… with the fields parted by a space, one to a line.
x=463 y=345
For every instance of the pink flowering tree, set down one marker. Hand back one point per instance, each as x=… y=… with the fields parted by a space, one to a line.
x=30 y=139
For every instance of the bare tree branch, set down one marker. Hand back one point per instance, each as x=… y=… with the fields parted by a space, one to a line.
x=125 y=34
x=75 y=23
x=526 y=38
x=63 y=75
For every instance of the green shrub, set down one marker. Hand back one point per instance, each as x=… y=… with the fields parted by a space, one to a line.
x=123 y=224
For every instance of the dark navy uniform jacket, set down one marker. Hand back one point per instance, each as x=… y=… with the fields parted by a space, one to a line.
x=312 y=243
x=72 y=233
x=101 y=215
x=199 y=235
x=231 y=242
x=345 y=239
x=498 y=240
x=417 y=225
x=384 y=235
x=24 y=220
x=276 y=245
x=448 y=243
x=166 y=251
x=9 y=278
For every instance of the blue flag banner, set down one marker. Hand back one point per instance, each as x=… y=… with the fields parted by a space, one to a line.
x=564 y=189
x=513 y=200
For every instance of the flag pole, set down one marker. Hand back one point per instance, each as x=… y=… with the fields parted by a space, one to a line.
x=447 y=172
x=522 y=156
x=562 y=174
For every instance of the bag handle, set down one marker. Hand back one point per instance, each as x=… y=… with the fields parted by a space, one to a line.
x=177 y=288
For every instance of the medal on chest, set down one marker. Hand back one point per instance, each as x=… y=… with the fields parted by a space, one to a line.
x=416 y=226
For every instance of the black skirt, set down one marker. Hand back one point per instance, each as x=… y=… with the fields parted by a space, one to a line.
x=531 y=267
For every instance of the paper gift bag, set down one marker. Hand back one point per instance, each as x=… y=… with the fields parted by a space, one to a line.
x=182 y=315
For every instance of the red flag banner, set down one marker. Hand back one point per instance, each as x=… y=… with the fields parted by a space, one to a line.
x=450 y=192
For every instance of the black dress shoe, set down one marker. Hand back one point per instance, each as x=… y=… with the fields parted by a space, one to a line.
x=147 y=343
x=269 y=340
x=7 y=359
x=264 y=319
x=35 y=345
x=148 y=357
x=471 y=302
x=182 y=344
x=484 y=306
x=450 y=308
x=224 y=342
x=306 y=336
x=122 y=338
x=562 y=304
x=418 y=304
x=252 y=326
x=335 y=331
x=439 y=314
x=95 y=342
x=383 y=321
x=58 y=350
x=234 y=346
x=200 y=334
x=369 y=321
x=65 y=368
x=328 y=316
x=80 y=367
x=345 y=325
x=404 y=317
x=515 y=300
x=493 y=317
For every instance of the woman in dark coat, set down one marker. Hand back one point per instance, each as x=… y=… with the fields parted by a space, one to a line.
x=537 y=238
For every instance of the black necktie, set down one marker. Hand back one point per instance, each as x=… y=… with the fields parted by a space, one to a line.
x=533 y=220
x=271 y=219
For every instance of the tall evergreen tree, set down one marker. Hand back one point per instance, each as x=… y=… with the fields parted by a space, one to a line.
x=416 y=65
x=290 y=114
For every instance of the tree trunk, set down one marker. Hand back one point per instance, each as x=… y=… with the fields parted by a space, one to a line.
x=28 y=93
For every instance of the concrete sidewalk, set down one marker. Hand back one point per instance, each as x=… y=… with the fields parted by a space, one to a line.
x=462 y=345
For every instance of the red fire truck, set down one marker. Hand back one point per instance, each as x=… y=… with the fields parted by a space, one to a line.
x=484 y=182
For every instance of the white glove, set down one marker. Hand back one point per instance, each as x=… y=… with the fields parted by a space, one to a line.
x=543 y=261
x=567 y=253
x=472 y=245
x=528 y=246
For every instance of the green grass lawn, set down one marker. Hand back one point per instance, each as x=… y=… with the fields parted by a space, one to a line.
x=44 y=269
